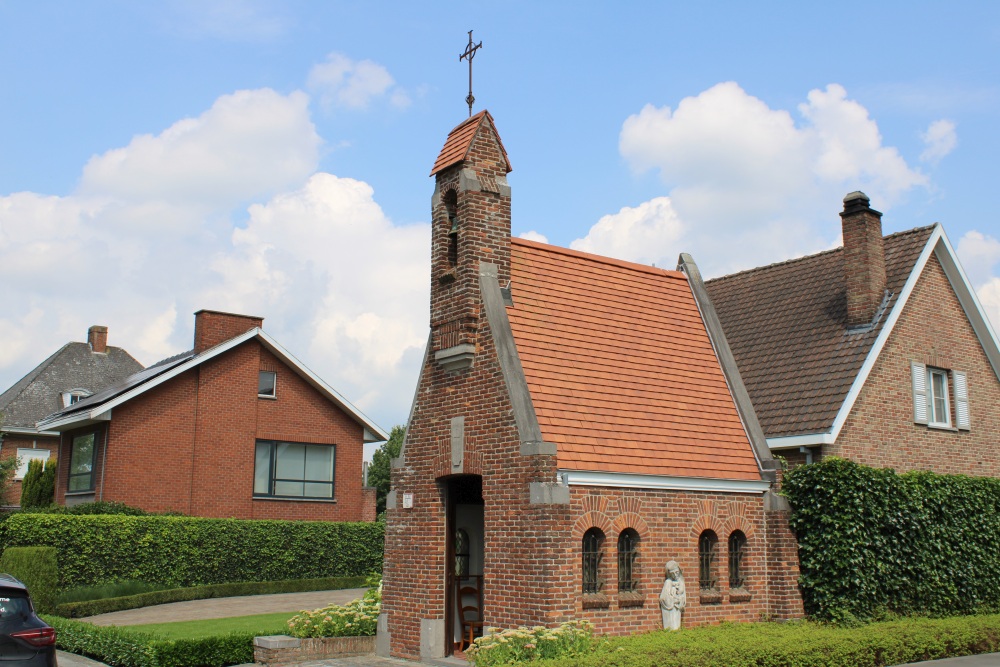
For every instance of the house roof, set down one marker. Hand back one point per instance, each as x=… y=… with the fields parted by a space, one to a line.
x=787 y=326
x=621 y=371
x=73 y=366
x=98 y=406
x=456 y=147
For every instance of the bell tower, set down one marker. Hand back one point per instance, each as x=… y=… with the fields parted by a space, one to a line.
x=470 y=224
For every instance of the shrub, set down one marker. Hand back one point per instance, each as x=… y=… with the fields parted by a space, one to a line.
x=38 y=569
x=190 y=551
x=31 y=485
x=872 y=541
x=105 y=591
x=8 y=466
x=357 y=618
x=127 y=648
x=526 y=645
x=97 y=507
x=104 y=606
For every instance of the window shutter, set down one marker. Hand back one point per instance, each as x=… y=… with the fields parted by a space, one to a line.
x=919 y=373
x=961 y=383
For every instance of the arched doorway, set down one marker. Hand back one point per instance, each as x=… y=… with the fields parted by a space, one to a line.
x=464 y=582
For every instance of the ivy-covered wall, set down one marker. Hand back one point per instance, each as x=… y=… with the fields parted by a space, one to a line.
x=871 y=540
x=188 y=551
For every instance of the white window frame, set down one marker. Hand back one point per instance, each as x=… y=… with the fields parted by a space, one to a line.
x=274 y=384
x=73 y=396
x=931 y=412
x=25 y=456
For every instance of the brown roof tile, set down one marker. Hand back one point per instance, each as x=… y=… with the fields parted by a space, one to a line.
x=620 y=368
x=787 y=326
x=459 y=141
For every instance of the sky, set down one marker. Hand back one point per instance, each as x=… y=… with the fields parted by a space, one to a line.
x=272 y=158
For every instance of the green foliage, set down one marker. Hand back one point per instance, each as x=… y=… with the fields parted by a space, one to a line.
x=357 y=618
x=873 y=542
x=98 y=507
x=104 y=606
x=8 y=466
x=802 y=644
x=39 y=484
x=189 y=551
x=118 y=589
x=38 y=569
x=120 y=647
x=378 y=471
x=258 y=624
x=509 y=647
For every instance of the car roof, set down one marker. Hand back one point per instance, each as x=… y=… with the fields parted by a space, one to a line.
x=7 y=581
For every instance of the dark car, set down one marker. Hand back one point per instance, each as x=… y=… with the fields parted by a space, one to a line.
x=25 y=639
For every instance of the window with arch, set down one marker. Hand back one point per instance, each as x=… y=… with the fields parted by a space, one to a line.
x=593 y=544
x=451 y=205
x=461 y=553
x=628 y=552
x=737 y=557
x=708 y=551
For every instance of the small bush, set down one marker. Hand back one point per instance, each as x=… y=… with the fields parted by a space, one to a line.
x=357 y=618
x=95 y=508
x=105 y=591
x=128 y=648
x=31 y=485
x=38 y=569
x=530 y=644
x=107 y=605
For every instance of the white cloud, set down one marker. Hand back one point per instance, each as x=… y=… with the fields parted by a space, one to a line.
x=532 y=235
x=940 y=139
x=354 y=84
x=980 y=257
x=747 y=184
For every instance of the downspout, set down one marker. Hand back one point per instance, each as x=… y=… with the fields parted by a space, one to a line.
x=808 y=452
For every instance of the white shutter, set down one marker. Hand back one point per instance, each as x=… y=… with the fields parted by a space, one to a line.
x=919 y=373
x=961 y=383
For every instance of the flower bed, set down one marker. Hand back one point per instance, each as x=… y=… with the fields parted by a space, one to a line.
x=528 y=644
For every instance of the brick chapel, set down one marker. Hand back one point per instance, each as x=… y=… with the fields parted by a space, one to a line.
x=579 y=422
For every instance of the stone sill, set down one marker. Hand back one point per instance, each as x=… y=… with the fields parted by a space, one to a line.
x=631 y=599
x=739 y=595
x=596 y=601
x=283 y=499
x=279 y=650
x=710 y=597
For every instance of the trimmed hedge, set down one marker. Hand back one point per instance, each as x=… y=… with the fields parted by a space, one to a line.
x=126 y=648
x=872 y=541
x=190 y=551
x=106 y=605
x=38 y=569
x=801 y=644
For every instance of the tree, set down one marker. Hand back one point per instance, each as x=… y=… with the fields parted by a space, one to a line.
x=378 y=471
x=39 y=484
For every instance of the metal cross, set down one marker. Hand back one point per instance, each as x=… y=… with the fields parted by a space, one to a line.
x=470 y=53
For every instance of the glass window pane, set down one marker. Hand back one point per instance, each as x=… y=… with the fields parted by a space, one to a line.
x=319 y=464
x=265 y=383
x=82 y=457
x=289 y=461
x=318 y=490
x=288 y=489
x=79 y=483
x=262 y=469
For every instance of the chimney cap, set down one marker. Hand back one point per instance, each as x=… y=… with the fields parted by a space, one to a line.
x=98 y=328
x=857 y=202
x=857 y=194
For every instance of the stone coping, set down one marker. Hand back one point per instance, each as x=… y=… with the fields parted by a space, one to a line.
x=280 y=650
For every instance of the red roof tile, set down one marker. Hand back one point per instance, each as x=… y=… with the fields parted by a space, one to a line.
x=620 y=368
x=459 y=141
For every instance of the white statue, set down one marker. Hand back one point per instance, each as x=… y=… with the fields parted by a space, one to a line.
x=673 y=597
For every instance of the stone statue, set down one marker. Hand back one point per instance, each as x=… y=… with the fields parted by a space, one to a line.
x=673 y=597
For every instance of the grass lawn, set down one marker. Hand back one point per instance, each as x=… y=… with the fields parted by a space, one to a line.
x=263 y=624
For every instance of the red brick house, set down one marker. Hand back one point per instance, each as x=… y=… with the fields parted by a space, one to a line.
x=74 y=372
x=578 y=423
x=878 y=351
x=237 y=427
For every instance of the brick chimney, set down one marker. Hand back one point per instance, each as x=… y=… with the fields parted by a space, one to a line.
x=212 y=327
x=97 y=337
x=864 y=259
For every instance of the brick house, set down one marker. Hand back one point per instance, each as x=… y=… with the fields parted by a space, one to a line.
x=236 y=427
x=73 y=372
x=878 y=351
x=578 y=423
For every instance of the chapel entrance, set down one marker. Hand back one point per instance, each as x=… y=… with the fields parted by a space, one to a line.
x=464 y=553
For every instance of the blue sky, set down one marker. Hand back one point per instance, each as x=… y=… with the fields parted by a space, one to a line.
x=272 y=158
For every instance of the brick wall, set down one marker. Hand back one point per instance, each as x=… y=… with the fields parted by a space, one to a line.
x=13 y=442
x=188 y=444
x=933 y=330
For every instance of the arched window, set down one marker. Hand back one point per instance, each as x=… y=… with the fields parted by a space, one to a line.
x=593 y=543
x=451 y=205
x=737 y=554
x=461 y=553
x=708 y=551
x=628 y=552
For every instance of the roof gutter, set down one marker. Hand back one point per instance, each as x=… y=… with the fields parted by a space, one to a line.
x=796 y=441
x=26 y=431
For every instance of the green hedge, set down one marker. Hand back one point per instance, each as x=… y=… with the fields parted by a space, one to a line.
x=38 y=569
x=802 y=644
x=94 y=607
x=188 y=551
x=872 y=541
x=126 y=648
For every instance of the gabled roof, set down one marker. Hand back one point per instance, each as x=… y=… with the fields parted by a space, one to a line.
x=787 y=326
x=456 y=147
x=621 y=371
x=73 y=366
x=98 y=407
